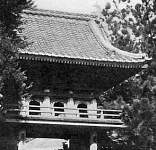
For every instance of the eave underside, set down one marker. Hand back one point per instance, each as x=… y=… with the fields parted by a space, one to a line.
x=74 y=77
x=84 y=62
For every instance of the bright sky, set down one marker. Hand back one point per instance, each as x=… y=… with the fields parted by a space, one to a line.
x=80 y=6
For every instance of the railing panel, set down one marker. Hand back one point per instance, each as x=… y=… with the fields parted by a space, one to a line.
x=65 y=113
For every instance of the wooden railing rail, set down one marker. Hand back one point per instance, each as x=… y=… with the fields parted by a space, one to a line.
x=116 y=110
x=63 y=108
x=101 y=115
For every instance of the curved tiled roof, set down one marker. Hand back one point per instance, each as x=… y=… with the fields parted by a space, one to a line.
x=71 y=38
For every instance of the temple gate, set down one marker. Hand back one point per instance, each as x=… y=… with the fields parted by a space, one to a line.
x=70 y=61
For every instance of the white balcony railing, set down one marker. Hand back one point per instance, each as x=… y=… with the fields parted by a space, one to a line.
x=56 y=113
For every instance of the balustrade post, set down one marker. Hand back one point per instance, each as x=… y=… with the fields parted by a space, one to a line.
x=23 y=108
x=26 y=108
x=71 y=112
x=52 y=110
x=93 y=107
x=45 y=106
x=102 y=114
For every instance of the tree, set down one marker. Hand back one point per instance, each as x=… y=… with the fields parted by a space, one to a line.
x=13 y=87
x=132 y=28
x=12 y=79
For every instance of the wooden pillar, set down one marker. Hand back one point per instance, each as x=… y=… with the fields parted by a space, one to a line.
x=8 y=143
x=93 y=141
x=21 y=138
x=8 y=138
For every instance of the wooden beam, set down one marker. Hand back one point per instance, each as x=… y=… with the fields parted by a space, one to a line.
x=65 y=123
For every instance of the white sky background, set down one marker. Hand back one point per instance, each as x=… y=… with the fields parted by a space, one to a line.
x=79 y=6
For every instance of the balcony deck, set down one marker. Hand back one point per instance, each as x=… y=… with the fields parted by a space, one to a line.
x=65 y=116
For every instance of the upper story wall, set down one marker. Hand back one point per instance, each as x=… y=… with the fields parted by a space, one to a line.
x=62 y=78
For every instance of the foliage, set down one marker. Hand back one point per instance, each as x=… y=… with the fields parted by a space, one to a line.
x=131 y=27
x=13 y=87
x=136 y=97
x=12 y=80
x=138 y=117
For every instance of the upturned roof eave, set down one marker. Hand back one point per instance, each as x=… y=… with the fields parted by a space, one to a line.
x=106 y=44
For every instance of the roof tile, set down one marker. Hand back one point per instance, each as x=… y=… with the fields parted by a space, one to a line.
x=70 y=36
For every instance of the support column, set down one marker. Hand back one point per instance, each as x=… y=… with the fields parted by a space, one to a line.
x=8 y=138
x=93 y=141
x=21 y=138
x=8 y=143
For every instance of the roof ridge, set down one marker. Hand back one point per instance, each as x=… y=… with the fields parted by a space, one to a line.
x=61 y=14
